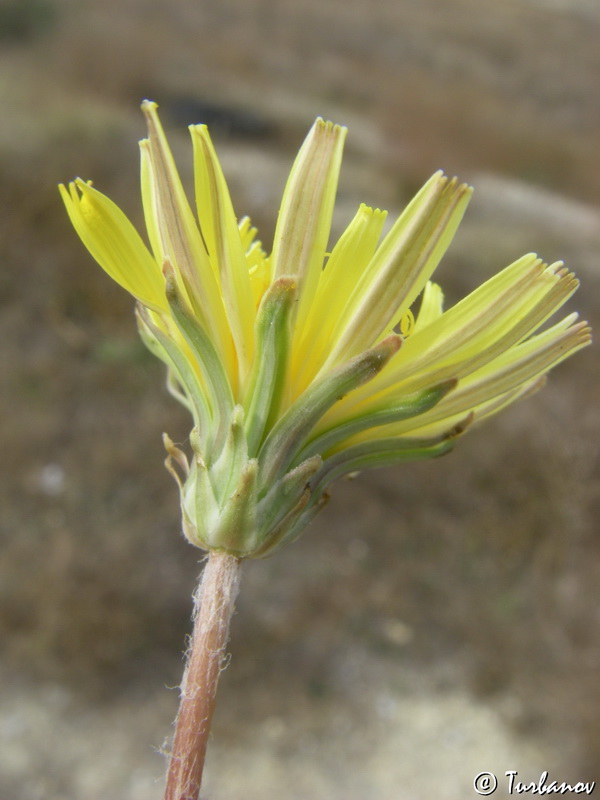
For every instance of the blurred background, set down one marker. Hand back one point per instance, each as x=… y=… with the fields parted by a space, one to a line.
x=438 y=619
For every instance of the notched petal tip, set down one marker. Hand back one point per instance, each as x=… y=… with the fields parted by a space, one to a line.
x=148 y=107
x=201 y=129
x=583 y=335
x=588 y=333
x=449 y=183
x=66 y=193
x=321 y=125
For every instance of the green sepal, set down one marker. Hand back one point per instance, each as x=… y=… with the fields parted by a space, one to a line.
x=218 y=388
x=404 y=408
x=175 y=456
x=176 y=389
x=237 y=532
x=227 y=525
x=226 y=470
x=277 y=535
x=294 y=523
x=163 y=347
x=384 y=453
x=270 y=363
x=389 y=452
x=288 y=435
x=286 y=492
x=199 y=505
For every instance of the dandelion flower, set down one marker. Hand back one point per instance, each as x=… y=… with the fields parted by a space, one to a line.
x=314 y=361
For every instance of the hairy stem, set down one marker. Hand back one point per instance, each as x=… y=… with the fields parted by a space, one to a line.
x=214 y=603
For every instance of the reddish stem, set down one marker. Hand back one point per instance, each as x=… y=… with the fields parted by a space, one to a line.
x=214 y=603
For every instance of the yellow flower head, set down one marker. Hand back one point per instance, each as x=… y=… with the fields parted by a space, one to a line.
x=306 y=365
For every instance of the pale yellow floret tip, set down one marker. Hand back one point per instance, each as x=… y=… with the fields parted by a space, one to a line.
x=148 y=106
x=373 y=212
x=329 y=127
x=82 y=185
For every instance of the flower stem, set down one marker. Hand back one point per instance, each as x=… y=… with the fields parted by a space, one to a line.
x=214 y=602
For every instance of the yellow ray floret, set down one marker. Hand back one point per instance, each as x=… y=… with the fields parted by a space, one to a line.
x=304 y=220
x=114 y=243
x=226 y=252
x=181 y=243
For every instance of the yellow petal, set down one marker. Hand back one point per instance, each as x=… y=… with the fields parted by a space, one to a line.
x=257 y=261
x=401 y=266
x=150 y=203
x=259 y=270
x=247 y=233
x=221 y=234
x=498 y=315
x=480 y=398
x=114 y=243
x=512 y=317
x=304 y=220
x=515 y=368
x=432 y=303
x=181 y=242
x=349 y=257
x=518 y=365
